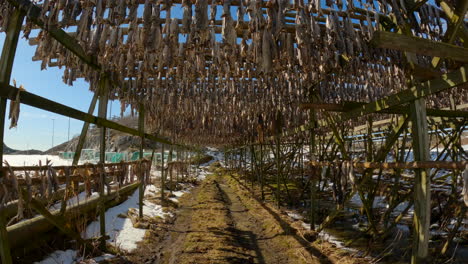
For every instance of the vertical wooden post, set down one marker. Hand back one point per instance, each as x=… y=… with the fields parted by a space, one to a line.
x=6 y=66
x=370 y=143
x=102 y=113
x=163 y=183
x=252 y=165
x=313 y=175
x=261 y=172
x=278 y=173
x=169 y=159
x=422 y=191
x=141 y=189
x=84 y=131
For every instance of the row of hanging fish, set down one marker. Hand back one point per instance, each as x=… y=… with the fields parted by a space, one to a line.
x=208 y=75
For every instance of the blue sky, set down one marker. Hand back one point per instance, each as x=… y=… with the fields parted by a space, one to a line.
x=34 y=130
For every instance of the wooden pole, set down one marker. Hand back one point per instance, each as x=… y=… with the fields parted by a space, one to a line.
x=141 y=189
x=169 y=159
x=163 y=184
x=6 y=66
x=262 y=181
x=84 y=131
x=313 y=182
x=103 y=100
x=278 y=173
x=422 y=191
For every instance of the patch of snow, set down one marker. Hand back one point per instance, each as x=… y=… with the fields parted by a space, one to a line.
x=121 y=230
x=294 y=215
x=103 y=257
x=379 y=201
x=33 y=160
x=403 y=228
x=80 y=198
x=61 y=257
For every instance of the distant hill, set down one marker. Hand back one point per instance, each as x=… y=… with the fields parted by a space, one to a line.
x=116 y=140
x=10 y=151
x=7 y=150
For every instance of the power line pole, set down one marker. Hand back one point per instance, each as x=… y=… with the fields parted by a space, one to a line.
x=53 y=130
x=68 y=129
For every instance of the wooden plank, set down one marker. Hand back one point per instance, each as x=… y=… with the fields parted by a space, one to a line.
x=33 y=13
x=448 y=165
x=21 y=233
x=452 y=19
x=446 y=81
x=453 y=27
x=141 y=190
x=84 y=131
x=163 y=180
x=402 y=110
x=104 y=86
x=6 y=66
x=422 y=185
x=9 y=92
x=395 y=41
x=56 y=220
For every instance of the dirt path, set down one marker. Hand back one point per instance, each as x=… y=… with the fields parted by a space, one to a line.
x=218 y=224
x=246 y=223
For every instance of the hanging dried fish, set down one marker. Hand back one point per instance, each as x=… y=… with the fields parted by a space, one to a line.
x=15 y=107
x=187 y=16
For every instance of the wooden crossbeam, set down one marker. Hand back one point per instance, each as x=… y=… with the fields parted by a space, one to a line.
x=349 y=106
x=449 y=165
x=388 y=40
x=453 y=28
x=445 y=82
x=427 y=88
x=10 y=92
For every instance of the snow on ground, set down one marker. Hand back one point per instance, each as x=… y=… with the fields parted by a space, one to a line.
x=71 y=256
x=81 y=198
x=121 y=231
x=379 y=201
x=325 y=236
x=61 y=257
x=33 y=160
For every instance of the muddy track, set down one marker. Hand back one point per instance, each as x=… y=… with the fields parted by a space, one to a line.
x=217 y=224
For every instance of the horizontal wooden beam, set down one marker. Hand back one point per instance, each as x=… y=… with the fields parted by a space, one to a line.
x=445 y=82
x=10 y=92
x=21 y=233
x=449 y=165
x=388 y=40
x=349 y=106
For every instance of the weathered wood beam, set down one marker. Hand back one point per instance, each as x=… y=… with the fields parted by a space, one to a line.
x=104 y=86
x=445 y=82
x=141 y=189
x=388 y=40
x=449 y=165
x=422 y=185
x=453 y=27
x=22 y=232
x=84 y=131
x=57 y=220
x=6 y=67
x=453 y=19
x=9 y=92
x=349 y=106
